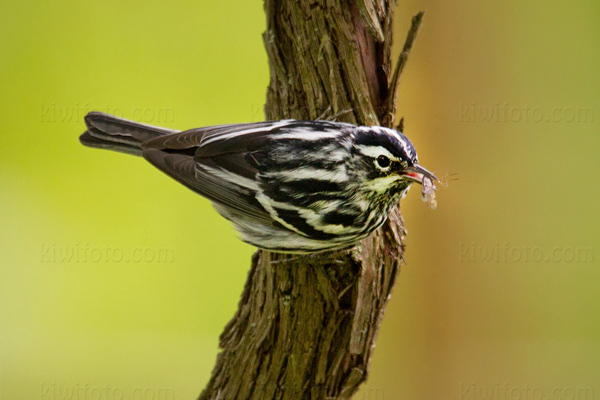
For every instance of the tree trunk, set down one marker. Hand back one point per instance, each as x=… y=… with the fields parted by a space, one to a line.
x=306 y=325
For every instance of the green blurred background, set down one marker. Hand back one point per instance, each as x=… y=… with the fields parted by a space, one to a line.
x=116 y=281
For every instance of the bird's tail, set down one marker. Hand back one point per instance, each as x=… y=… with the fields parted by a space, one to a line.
x=106 y=131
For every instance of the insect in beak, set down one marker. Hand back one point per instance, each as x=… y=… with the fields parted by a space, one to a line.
x=416 y=173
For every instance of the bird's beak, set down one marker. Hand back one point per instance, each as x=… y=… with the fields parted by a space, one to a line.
x=416 y=173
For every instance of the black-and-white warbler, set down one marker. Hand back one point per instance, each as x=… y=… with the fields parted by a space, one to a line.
x=286 y=186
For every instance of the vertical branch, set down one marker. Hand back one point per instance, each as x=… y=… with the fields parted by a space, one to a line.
x=402 y=59
x=306 y=325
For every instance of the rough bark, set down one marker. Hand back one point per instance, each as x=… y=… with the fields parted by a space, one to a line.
x=306 y=325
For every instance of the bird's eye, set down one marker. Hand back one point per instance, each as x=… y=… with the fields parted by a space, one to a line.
x=383 y=162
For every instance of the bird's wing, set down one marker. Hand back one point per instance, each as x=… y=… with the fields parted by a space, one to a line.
x=215 y=140
x=221 y=162
x=224 y=174
x=214 y=180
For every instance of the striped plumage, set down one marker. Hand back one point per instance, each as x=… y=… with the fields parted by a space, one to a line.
x=287 y=186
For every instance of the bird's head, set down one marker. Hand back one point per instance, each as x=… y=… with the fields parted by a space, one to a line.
x=387 y=160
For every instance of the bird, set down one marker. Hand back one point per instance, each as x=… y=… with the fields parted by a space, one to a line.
x=287 y=186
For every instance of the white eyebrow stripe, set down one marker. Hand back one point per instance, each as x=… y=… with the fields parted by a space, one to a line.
x=407 y=150
x=376 y=151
